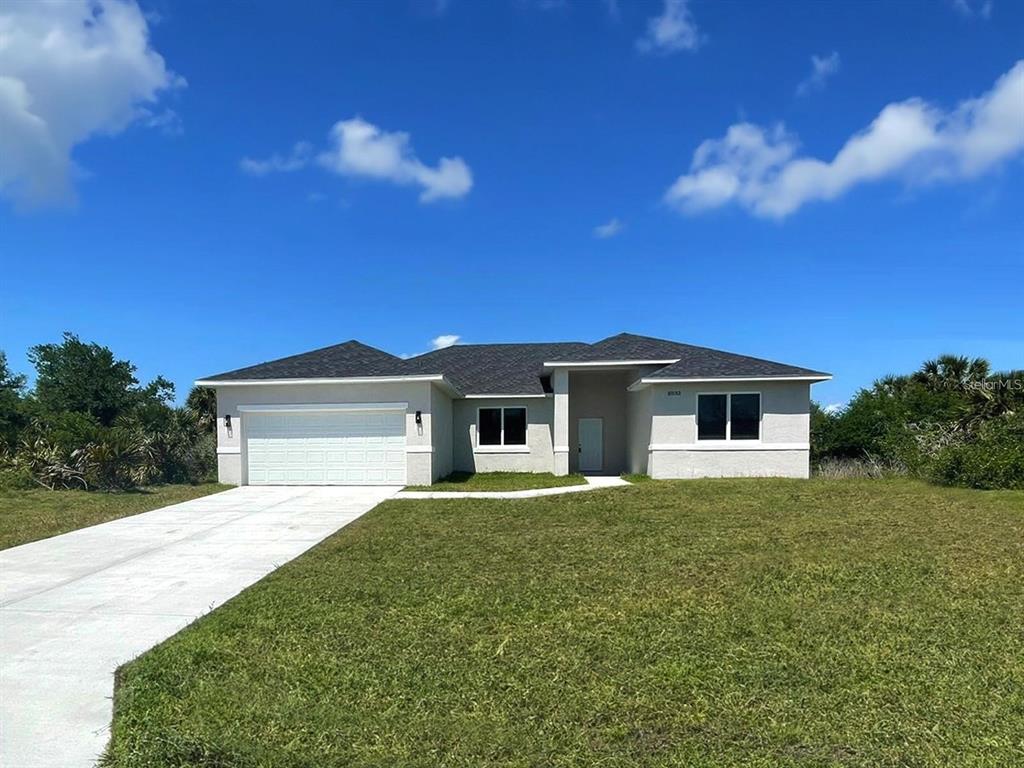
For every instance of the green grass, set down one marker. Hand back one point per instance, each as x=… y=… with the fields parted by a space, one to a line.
x=499 y=481
x=754 y=623
x=38 y=513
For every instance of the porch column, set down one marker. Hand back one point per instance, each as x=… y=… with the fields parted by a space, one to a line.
x=560 y=387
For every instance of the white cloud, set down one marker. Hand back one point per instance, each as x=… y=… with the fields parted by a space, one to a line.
x=298 y=158
x=822 y=68
x=609 y=229
x=362 y=149
x=674 y=30
x=972 y=8
x=834 y=409
x=445 y=340
x=912 y=140
x=71 y=70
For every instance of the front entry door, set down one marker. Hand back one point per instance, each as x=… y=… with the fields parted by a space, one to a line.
x=591 y=435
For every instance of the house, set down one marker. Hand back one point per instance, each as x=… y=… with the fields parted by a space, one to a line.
x=353 y=414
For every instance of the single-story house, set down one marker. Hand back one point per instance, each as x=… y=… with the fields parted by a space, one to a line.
x=352 y=414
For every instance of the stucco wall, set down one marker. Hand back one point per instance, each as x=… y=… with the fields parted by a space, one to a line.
x=785 y=432
x=538 y=455
x=441 y=433
x=691 y=464
x=600 y=394
x=638 y=435
x=231 y=460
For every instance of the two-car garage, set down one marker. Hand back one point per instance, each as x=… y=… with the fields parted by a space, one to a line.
x=320 y=445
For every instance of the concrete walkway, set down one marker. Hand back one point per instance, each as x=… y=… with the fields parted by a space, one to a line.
x=593 y=483
x=75 y=607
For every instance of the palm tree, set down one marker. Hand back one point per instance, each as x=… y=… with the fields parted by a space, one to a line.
x=952 y=372
x=201 y=405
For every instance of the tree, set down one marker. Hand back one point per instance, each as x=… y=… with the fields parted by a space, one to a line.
x=202 y=405
x=12 y=416
x=86 y=378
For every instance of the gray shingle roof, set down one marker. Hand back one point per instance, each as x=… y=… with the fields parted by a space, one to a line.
x=350 y=358
x=512 y=369
x=495 y=369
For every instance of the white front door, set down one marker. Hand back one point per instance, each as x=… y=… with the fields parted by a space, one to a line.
x=326 y=447
x=591 y=436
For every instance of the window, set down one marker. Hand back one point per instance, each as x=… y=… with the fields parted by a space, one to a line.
x=745 y=417
x=712 y=416
x=515 y=426
x=501 y=426
x=729 y=417
x=489 y=427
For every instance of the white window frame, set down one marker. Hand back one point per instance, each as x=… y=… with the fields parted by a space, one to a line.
x=502 y=444
x=728 y=418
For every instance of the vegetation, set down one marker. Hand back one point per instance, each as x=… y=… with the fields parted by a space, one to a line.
x=88 y=423
x=952 y=421
x=770 y=623
x=499 y=481
x=28 y=515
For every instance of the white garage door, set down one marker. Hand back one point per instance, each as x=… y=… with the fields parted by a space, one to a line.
x=326 y=447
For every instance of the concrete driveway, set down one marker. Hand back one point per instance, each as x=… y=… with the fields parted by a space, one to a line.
x=75 y=607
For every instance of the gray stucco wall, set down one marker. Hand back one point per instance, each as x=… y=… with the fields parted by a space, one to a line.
x=441 y=433
x=538 y=454
x=231 y=459
x=783 y=450
x=600 y=394
x=638 y=435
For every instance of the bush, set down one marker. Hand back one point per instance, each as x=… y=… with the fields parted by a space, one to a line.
x=993 y=459
x=18 y=479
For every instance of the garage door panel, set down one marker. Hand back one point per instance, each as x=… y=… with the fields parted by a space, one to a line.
x=321 y=447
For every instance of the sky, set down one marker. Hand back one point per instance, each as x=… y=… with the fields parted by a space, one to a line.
x=202 y=186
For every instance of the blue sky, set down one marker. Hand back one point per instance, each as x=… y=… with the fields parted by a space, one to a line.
x=835 y=185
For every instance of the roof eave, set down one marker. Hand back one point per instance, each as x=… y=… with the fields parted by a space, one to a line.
x=606 y=363
x=647 y=380
x=438 y=379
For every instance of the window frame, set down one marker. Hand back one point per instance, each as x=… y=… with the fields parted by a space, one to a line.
x=728 y=418
x=526 y=431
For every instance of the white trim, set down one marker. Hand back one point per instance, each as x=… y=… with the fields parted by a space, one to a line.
x=502 y=397
x=647 y=381
x=228 y=449
x=317 y=407
x=348 y=380
x=419 y=449
x=561 y=449
x=725 y=445
x=607 y=363
x=524 y=446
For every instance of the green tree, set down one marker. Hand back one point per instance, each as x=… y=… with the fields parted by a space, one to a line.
x=12 y=415
x=202 y=405
x=86 y=378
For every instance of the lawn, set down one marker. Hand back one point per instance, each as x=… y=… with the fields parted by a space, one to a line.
x=755 y=623
x=499 y=481
x=38 y=513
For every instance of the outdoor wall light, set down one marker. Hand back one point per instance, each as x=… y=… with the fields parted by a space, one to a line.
x=419 y=418
x=227 y=421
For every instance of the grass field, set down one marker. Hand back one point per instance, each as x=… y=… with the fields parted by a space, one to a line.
x=759 y=623
x=38 y=513
x=499 y=481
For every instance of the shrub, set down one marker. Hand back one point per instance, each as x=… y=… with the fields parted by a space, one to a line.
x=994 y=458
x=16 y=478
